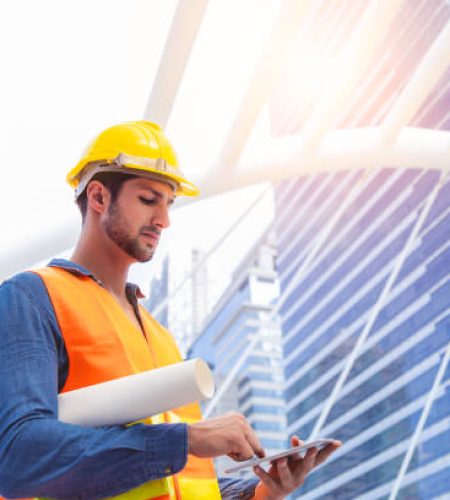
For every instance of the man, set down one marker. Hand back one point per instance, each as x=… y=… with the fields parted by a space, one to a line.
x=77 y=322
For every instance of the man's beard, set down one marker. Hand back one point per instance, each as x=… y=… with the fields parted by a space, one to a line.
x=118 y=230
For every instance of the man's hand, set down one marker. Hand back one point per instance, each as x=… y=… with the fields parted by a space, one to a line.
x=229 y=434
x=285 y=475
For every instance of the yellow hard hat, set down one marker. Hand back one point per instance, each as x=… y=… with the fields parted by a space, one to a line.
x=138 y=147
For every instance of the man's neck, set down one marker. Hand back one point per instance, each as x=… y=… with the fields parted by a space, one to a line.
x=106 y=263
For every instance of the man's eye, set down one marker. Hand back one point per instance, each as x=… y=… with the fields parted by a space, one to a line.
x=147 y=201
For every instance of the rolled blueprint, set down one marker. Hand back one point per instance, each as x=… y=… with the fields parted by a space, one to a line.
x=128 y=399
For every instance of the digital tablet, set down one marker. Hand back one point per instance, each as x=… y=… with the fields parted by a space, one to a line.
x=300 y=451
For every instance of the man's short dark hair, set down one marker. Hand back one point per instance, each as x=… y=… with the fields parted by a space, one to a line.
x=113 y=181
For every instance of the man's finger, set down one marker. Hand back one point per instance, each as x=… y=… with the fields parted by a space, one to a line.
x=242 y=452
x=285 y=474
x=326 y=452
x=310 y=458
x=303 y=467
x=255 y=443
x=295 y=441
x=266 y=478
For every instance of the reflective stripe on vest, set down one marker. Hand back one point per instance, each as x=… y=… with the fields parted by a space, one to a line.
x=103 y=344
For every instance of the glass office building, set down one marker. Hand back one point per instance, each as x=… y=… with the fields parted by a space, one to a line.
x=379 y=406
x=244 y=311
x=159 y=287
x=393 y=400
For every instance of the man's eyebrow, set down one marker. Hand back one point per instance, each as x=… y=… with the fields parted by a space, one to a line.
x=158 y=194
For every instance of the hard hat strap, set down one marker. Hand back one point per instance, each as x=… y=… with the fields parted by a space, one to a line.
x=159 y=164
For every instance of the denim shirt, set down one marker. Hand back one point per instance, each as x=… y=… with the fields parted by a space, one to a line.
x=41 y=456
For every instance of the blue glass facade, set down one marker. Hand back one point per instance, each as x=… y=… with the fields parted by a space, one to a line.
x=395 y=370
x=379 y=406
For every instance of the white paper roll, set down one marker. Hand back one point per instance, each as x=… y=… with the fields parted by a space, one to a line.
x=132 y=398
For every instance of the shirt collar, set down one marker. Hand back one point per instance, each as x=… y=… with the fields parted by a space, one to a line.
x=133 y=292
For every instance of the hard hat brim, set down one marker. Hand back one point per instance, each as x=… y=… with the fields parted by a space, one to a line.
x=155 y=168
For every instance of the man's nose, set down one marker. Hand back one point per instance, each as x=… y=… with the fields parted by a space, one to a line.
x=161 y=218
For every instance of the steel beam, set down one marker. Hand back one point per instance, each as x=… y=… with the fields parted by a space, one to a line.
x=267 y=74
x=354 y=62
x=179 y=43
x=427 y=75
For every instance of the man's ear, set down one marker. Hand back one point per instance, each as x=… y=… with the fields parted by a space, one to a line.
x=97 y=197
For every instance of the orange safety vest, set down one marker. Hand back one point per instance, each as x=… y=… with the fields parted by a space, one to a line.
x=103 y=344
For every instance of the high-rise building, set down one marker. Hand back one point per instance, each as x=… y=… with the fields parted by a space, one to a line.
x=380 y=404
x=366 y=327
x=199 y=286
x=159 y=289
x=172 y=304
x=242 y=312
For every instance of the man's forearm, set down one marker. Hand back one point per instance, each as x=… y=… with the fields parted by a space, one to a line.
x=43 y=457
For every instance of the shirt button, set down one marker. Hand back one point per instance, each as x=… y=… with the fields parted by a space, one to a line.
x=167 y=470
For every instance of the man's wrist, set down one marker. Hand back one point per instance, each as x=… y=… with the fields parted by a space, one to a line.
x=261 y=493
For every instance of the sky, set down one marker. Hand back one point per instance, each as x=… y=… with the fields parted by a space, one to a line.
x=70 y=69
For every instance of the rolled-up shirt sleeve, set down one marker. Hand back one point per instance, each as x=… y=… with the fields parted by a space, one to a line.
x=237 y=489
x=41 y=456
